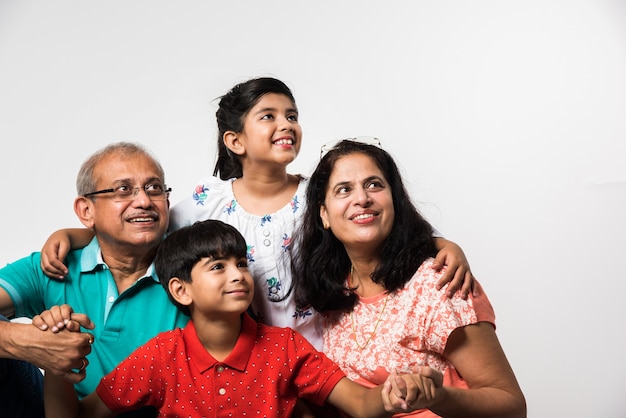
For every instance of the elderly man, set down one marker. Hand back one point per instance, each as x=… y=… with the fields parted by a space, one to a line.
x=123 y=199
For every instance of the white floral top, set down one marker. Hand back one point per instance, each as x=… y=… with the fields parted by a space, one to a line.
x=269 y=240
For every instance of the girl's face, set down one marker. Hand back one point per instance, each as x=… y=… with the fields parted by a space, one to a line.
x=358 y=205
x=271 y=131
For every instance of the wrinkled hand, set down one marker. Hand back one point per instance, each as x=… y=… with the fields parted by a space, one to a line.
x=410 y=392
x=457 y=273
x=63 y=350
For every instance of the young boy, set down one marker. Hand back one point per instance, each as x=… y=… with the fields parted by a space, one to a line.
x=223 y=363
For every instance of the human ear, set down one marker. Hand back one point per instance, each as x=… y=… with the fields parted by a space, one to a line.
x=178 y=290
x=324 y=216
x=83 y=207
x=231 y=141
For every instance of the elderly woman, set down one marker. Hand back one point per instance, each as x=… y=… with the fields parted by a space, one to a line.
x=363 y=259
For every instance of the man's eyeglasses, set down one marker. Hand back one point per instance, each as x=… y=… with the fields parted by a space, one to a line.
x=367 y=140
x=155 y=191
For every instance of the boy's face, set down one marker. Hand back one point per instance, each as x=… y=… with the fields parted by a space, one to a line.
x=220 y=286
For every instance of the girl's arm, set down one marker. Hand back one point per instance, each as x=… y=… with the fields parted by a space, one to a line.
x=57 y=246
x=475 y=352
x=60 y=401
x=458 y=271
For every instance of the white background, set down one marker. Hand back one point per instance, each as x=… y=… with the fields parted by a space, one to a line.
x=506 y=117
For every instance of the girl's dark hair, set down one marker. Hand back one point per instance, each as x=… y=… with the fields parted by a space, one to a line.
x=233 y=109
x=183 y=248
x=320 y=262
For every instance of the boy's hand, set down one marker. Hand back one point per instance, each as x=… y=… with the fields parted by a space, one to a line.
x=457 y=273
x=63 y=317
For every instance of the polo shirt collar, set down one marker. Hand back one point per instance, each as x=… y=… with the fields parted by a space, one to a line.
x=237 y=359
x=91 y=260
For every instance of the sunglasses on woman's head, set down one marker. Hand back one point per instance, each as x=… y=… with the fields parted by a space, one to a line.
x=367 y=140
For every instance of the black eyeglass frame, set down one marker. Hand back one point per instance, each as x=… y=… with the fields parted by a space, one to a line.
x=166 y=192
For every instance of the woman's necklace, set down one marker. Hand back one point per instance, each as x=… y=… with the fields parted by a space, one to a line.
x=352 y=321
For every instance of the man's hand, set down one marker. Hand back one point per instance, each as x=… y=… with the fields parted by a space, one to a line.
x=62 y=353
x=70 y=345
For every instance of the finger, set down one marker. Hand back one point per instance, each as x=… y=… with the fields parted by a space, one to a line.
x=47 y=318
x=430 y=390
x=468 y=283
x=398 y=385
x=474 y=288
x=40 y=323
x=445 y=278
x=73 y=326
x=385 y=393
x=52 y=265
x=74 y=377
x=66 y=312
x=83 y=320
x=433 y=374
x=78 y=373
x=61 y=315
x=83 y=364
x=456 y=282
x=413 y=388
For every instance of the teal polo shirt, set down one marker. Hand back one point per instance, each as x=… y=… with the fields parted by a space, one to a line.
x=123 y=321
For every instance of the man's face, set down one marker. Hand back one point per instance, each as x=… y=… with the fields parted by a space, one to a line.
x=129 y=225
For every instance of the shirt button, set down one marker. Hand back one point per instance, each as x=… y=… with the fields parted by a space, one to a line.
x=111 y=299
x=267 y=242
x=266 y=233
x=220 y=369
x=222 y=391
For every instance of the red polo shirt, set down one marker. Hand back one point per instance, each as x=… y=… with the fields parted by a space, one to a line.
x=266 y=372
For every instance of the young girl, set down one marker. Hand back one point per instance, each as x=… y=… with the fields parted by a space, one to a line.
x=259 y=136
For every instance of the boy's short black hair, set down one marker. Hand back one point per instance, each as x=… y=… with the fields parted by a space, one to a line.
x=182 y=249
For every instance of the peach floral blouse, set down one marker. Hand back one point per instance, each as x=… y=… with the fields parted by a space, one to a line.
x=410 y=328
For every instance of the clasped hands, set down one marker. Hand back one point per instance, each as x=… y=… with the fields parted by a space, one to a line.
x=62 y=319
x=410 y=392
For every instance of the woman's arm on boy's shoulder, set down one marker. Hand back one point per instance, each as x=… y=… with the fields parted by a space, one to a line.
x=58 y=245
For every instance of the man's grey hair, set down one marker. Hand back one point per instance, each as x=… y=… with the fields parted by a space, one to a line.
x=86 y=181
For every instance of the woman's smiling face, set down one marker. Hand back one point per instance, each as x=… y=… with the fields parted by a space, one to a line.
x=358 y=206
